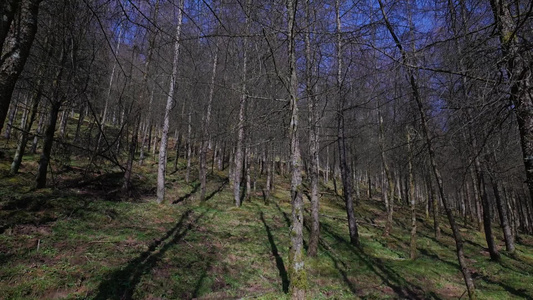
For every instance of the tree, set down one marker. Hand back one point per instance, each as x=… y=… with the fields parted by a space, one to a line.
x=162 y=163
x=15 y=45
x=297 y=274
x=346 y=175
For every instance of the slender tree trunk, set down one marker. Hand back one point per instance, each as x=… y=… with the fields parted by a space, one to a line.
x=126 y=186
x=40 y=180
x=81 y=118
x=487 y=219
x=451 y=218
x=313 y=142
x=13 y=113
x=205 y=132
x=504 y=220
x=412 y=196
x=189 y=145
x=519 y=74
x=37 y=133
x=162 y=163
x=435 y=208
x=36 y=98
x=388 y=188
x=63 y=126
x=103 y=118
x=345 y=169
x=297 y=274
x=237 y=171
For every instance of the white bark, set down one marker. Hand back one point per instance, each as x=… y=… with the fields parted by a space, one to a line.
x=161 y=170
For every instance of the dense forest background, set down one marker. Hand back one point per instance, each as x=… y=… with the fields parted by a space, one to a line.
x=425 y=107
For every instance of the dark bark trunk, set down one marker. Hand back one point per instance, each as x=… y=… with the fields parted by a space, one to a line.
x=15 y=48
x=13 y=113
x=37 y=133
x=8 y=9
x=126 y=186
x=17 y=160
x=346 y=174
x=494 y=255
x=518 y=59
x=313 y=144
x=504 y=220
x=40 y=180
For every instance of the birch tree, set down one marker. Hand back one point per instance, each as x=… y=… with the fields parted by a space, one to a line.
x=162 y=163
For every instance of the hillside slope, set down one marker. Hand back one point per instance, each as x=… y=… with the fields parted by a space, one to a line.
x=84 y=241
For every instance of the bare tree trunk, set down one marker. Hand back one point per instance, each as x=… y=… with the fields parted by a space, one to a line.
x=126 y=186
x=435 y=208
x=297 y=274
x=502 y=212
x=455 y=230
x=81 y=118
x=345 y=169
x=13 y=113
x=15 y=45
x=205 y=132
x=36 y=98
x=412 y=196
x=519 y=74
x=40 y=180
x=103 y=118
x=37 y=133
x=494 y=255
x=8 y=9
x=388 y=187
x=63 y=126
x=237 y=170
x=162 y=164
x=189 y=145
x=313 y=142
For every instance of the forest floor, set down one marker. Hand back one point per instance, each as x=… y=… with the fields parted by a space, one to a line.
x=82 y=239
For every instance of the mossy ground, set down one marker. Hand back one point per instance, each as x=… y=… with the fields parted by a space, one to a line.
x=84 y=239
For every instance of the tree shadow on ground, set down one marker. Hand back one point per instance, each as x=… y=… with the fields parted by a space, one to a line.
x=218 y=190
x=279 y=261
x=121 y=284
x=195 y=187
x=522 y=293
x=402 y=287
x=40 y=209
x=328 y=250
x=200 y=281
x=285 y=217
